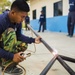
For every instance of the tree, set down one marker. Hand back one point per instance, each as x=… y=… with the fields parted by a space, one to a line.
x=4 y=3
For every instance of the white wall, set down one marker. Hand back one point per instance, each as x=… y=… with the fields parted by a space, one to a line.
x=38 y=4
x=65 y=7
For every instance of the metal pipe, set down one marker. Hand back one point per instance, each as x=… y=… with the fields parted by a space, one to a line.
x=67 y=58
x=46 y=45
x=46 y=69
x=53 y=60
x=65 y=65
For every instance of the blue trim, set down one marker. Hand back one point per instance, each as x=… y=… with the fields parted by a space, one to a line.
x=56 y=24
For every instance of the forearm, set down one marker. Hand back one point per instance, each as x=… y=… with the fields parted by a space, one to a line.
x=26 y=39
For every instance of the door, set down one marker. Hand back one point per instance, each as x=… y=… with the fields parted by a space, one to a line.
x=44 y=9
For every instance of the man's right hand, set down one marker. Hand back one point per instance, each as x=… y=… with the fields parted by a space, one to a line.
x=18 y=58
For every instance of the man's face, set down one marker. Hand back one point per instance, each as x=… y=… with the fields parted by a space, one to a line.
x=18 y=17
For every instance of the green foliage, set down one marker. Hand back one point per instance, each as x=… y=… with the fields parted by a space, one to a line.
x=4 y=3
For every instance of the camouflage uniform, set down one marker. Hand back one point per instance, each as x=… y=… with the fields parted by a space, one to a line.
x=11 y=44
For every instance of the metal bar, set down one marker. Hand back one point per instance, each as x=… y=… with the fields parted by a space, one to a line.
x=46 y=69
x=65 y=65
x=53 y=60
x=67 y=58
x=46 y=45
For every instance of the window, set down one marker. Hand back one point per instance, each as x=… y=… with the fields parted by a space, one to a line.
x=34 y=14
x=58 y=8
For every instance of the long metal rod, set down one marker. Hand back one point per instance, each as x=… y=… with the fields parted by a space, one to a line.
x=46 y=69
x=67 y=58
x=65 y=65
x=46 y=45
x=51 y=50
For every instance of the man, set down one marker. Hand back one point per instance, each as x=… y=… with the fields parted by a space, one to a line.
x=12 y=42
x=42 y=21
x=71 y=18
x=27 y=21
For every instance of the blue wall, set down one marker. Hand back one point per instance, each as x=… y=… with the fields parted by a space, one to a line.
x=56 y=24
x=34 y=24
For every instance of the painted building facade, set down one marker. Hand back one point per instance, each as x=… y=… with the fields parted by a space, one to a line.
x=56 y=12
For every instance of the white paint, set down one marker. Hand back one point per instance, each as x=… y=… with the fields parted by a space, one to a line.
x=38 y=4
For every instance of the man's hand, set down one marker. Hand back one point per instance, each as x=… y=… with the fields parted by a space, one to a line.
x=37 y=40
x=18 y=58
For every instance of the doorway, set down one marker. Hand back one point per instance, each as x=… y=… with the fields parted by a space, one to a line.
x=44 y=9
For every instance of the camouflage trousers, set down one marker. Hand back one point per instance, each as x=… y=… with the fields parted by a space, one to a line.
x=11 y=44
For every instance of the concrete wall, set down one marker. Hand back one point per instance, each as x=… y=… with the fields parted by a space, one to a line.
x=55 y=24
x=58 y=24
